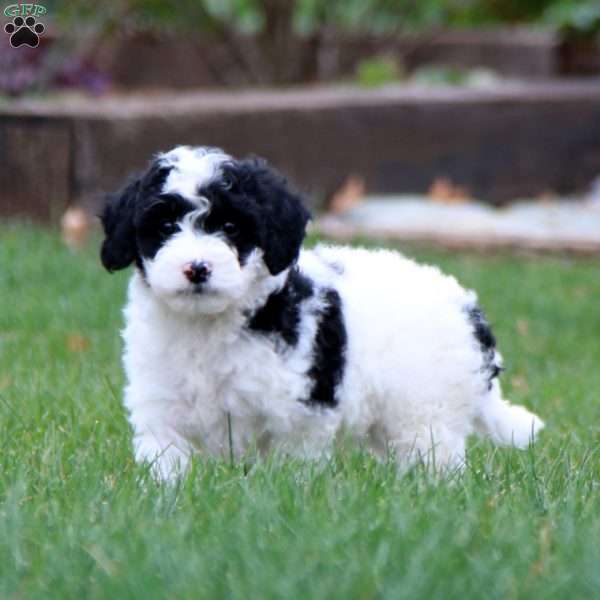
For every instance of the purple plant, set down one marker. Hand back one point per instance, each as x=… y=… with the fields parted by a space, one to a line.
x=19 y=69
x=82 y=73
x=25 y=70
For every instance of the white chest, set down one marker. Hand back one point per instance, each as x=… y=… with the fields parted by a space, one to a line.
x=197 y=375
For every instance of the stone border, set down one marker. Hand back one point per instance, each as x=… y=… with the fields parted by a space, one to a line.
x=336 y=229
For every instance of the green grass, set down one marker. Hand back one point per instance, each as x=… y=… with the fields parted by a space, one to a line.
x=78 y=519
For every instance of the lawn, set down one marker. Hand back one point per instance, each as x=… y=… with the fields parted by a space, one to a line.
x=78 y=519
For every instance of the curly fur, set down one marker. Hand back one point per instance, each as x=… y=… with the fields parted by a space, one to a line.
x=295 y=346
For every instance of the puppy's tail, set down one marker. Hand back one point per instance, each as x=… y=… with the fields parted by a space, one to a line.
x=505 y=423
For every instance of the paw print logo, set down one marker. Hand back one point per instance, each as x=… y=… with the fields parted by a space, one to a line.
x=24 y=32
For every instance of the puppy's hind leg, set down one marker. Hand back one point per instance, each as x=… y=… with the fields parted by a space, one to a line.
x=505 y=423
x=439 y=449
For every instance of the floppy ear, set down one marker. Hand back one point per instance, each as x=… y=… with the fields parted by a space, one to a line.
x=282 y=213
x=119 y=249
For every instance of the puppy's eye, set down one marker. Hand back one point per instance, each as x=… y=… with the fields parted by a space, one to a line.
x=230 y=229
x=168 y=228
x=227 y=181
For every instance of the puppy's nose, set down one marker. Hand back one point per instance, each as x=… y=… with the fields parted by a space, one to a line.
x=197 y=271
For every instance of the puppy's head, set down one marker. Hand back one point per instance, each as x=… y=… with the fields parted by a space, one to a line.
x=204 y=228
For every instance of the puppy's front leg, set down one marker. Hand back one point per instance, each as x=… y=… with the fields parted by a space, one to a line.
x=165 y=452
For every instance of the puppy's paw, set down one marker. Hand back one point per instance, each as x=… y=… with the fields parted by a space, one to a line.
x=167 y=463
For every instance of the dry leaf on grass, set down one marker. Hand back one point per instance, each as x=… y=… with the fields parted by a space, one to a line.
x=523 y=326
x=77 y=343
x=520 y=383
x=544 y=550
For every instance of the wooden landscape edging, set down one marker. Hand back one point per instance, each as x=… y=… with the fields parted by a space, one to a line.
x=515 y=141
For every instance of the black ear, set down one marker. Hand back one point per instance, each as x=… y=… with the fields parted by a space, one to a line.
x=119 y=249
x=282 y=213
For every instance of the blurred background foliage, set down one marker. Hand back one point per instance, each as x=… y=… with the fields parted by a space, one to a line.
x=307 y=16
x=270 y=42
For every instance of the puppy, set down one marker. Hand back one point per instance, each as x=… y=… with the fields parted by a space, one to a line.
x=235 y=338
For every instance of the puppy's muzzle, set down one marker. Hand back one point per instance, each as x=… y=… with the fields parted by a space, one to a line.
x=197 y=272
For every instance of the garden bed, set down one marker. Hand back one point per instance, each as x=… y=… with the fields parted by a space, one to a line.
x=509 y=141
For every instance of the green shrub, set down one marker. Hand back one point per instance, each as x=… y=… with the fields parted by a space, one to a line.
x=377 y=71
x=575 y=19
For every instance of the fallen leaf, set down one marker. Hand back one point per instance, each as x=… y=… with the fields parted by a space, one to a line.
x=348 y=195
x=547 y=197
x=109 y=566
x=544 y=550
x=523 y=327
x=444 y=191
x=77 y=343
x=520 y=383
x=581 y=292
x=75 y=224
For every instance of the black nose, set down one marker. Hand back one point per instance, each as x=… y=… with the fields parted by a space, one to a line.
x=197 y=271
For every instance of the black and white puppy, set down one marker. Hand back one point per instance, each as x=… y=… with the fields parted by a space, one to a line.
x=228 y=320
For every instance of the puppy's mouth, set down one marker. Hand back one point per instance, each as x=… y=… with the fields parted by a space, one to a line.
x=197 y=289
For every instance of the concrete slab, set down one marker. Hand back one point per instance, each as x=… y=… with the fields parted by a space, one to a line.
x=571 y=226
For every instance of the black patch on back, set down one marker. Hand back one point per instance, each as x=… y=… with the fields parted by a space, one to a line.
x=329 y=353
x=281 y=312
x=487 y=342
